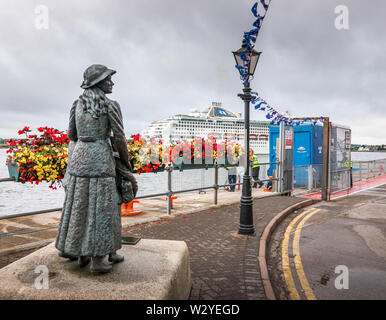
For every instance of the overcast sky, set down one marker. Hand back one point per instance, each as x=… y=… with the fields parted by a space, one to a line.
x=175 y=55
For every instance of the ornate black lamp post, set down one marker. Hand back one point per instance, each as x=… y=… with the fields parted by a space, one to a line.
x=246 y=225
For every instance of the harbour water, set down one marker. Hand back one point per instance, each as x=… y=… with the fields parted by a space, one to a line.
x=367 y=156
x=19 y=198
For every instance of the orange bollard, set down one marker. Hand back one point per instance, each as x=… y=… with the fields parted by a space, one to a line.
x=127 y=209
x=172 y=197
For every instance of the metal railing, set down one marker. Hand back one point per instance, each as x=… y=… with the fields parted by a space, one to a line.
x=170 y=192
x=365 y=170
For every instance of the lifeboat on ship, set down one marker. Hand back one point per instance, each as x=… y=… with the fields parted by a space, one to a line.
x=214 y=135
x=253 y=136
x=229 y=136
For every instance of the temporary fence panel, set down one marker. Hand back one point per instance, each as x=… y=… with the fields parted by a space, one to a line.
x=339 y=159
x=308 y=177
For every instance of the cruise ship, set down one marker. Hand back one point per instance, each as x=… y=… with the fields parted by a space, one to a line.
x=214 y=121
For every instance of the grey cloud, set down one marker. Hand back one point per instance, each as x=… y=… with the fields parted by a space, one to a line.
x=174 y=55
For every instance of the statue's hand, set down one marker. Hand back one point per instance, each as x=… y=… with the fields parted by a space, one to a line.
x=134 y=184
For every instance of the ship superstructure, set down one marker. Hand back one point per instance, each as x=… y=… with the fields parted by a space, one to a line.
x=214 y=121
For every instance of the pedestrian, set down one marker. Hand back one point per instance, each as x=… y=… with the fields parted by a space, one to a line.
x=232 y=172
x=348 y=164
x=255 y=172
x=268 y=184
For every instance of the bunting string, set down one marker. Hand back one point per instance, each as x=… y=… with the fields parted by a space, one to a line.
x=250 y=37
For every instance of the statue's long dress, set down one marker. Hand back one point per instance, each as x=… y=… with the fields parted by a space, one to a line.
x=91 y=219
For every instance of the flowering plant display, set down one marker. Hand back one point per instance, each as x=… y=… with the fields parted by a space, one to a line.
x=155 y=155
x=207 y=151
x=40 y=157
x=43 y=157
x=189 y=150
x=147 y=156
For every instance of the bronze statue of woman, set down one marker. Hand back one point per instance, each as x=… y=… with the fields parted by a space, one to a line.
x=90 y=226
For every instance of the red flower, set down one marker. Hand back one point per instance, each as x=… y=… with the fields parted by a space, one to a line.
x=135 y=137
x=11 y=142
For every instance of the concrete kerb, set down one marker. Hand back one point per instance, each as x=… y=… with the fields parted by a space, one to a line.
x=264 y=240
x=26 y=247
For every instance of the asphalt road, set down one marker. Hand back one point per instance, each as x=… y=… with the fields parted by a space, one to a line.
x=333 y=250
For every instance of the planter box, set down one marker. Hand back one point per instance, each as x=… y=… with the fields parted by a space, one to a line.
x=13 y=171
x=184 y=166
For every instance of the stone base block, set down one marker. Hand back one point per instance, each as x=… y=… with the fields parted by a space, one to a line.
x=153 y=269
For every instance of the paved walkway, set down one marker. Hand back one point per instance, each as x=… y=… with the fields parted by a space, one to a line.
x=223 y=263
x=334 y=250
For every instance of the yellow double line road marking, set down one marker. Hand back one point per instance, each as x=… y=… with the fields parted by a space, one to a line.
x=294 y=295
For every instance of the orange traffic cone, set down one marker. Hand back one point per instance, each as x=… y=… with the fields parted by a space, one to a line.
x=172 y=197
x=127 y=209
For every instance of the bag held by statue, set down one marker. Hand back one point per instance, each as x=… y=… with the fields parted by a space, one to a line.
x=126 y=183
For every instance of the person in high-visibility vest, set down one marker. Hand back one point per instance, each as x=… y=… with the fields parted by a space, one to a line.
x=232 y=172
x=347 y=164
x=255 y=172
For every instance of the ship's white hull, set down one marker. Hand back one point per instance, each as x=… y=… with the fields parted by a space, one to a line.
x=205 y=125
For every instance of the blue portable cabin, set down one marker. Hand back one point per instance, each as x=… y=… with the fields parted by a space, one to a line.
x=308 y=143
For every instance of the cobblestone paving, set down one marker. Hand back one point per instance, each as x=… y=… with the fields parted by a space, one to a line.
x=223 y=263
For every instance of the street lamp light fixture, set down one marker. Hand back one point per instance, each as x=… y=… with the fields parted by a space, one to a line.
x=253 y=58
x=246 y=225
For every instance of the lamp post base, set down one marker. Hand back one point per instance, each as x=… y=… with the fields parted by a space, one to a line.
x=246 y=225
x=247 y=230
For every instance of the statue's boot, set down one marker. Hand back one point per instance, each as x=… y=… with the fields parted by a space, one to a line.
x=98 y=266
x=115 y=258
x=83 y=261
x=67 y=256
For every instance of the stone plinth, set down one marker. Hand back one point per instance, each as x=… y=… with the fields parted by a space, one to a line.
x=153 y=269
